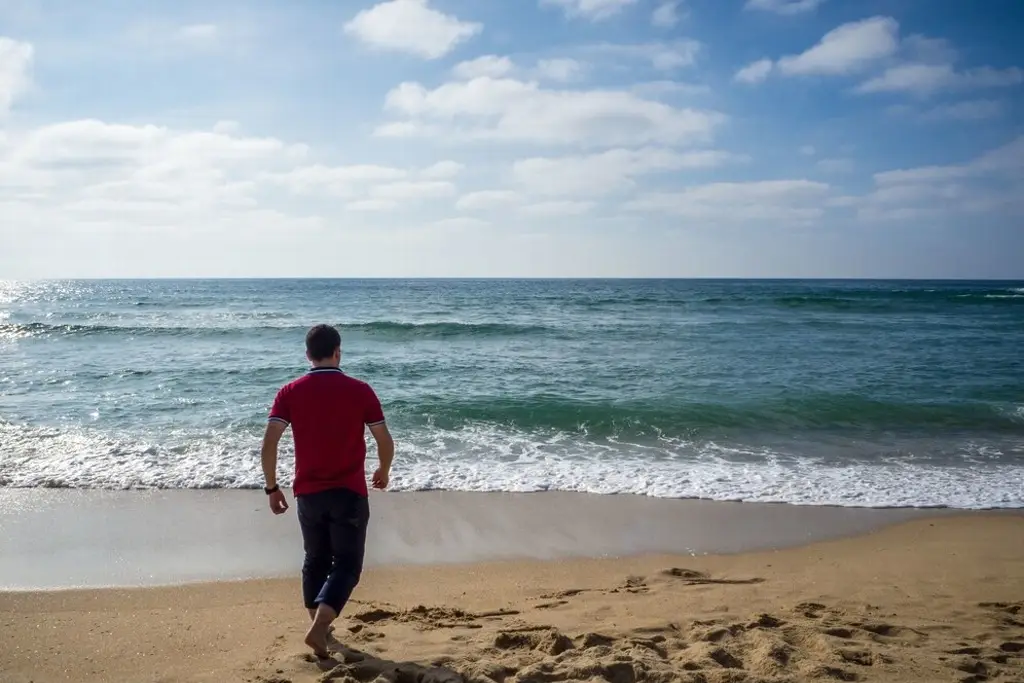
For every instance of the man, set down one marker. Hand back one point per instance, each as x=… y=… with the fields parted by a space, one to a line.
x=328 y=412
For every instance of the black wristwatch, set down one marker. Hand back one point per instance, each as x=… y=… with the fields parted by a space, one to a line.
x=272 y=489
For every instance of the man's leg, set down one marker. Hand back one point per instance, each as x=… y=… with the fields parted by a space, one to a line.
x=349 y=517
x=316 y=541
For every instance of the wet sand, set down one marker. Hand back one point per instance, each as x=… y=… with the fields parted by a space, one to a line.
x=83 y=538
x=937 y=597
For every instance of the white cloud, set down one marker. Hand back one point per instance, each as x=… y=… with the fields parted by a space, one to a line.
x=488 y=200
x=342 y=181
x=666 y=14
x=595 y=10
x=90 y=175
x=927 y=79
x=969 y=110
x=987 y=183
x=412 y=190
x=1007 y=159
x=443 y=170
x=486 y=65
x=779 y=201
x=198 y=34
x=84 y=178
x=784 y=7
x=15 y=62
x=919 y=48
x=755 y=72
x=458 y=223
x=662 y=88
x=99 y=146
x=846 y=49
x=662 y=56
x=172 y=40
x=372 y=205
x=515 y=111
x=410 y=26
x=612 y=171
x=556 y=209
x=560 y=70
x=227 y=127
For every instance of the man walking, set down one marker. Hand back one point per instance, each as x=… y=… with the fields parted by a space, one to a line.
x=328 y=412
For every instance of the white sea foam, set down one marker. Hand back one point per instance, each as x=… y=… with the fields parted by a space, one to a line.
x=497 y=460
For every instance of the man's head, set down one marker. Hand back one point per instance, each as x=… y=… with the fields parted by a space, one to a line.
x=323 y=345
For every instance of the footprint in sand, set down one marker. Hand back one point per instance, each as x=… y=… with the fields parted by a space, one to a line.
x=694 y=578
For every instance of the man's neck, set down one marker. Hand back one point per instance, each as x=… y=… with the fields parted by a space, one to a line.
x=325 y=366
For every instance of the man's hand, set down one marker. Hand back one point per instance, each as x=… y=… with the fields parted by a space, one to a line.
x=278 y=503
x=380 y=479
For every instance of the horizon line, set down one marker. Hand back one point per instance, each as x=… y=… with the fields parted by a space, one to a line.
x=449 y=278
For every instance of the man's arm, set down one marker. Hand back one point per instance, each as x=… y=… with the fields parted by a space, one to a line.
x=385 y=453
x=385 y=445
x=268 y=454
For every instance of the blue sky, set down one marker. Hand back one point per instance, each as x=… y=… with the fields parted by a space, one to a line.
x=697 y=138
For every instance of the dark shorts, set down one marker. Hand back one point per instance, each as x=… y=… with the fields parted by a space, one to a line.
x=333 y=525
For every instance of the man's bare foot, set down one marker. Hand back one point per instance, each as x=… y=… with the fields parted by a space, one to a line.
x=316 y=639
x=316 y=636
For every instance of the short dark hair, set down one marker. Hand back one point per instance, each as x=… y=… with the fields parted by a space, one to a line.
x=322 y=341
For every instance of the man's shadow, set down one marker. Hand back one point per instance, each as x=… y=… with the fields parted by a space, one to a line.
x=364 y=667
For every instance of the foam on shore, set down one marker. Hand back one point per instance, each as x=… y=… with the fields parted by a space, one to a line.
x=52 y=539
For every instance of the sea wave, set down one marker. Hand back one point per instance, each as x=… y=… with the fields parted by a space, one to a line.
x=508 y=460
x=673 y=417
x=379 y=328
x=894 y=301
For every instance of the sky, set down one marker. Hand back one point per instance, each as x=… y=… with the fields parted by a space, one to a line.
x=512 y=138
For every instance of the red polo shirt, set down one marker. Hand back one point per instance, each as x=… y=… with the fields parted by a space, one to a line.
x=328 y=412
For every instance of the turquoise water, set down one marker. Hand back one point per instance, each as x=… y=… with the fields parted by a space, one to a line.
x=847 y=393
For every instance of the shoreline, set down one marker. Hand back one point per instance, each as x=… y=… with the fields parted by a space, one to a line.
x=115 y=539
x=926 y=599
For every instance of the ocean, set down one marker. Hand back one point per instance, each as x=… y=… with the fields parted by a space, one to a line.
x=849 y=393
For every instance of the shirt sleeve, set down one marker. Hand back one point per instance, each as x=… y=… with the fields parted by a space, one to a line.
x=373 y=414
x=281 y=411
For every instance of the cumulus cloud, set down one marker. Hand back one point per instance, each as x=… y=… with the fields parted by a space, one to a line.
x=507 y=109
x=443 y=170
x=847 y=49
x=664 y=56
x=666 y=14
x=401 y=191
x=410 y=26
x=560 y=70
x=89 y=175
x=486 y=65
x=596 y=175
x=488 y=200
x=968 y=110
x=15 y=63
x=780 y=201
x=927 y=79
x=198 y=34
x=988 y=183
x=755 y=72
x=372 y=205
x=594 y=10
x=555 y=209
x=342 y=181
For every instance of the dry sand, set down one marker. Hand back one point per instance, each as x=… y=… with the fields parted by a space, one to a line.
x=926 y=600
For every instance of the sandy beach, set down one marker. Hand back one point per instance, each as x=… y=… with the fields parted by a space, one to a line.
x=930 y=599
